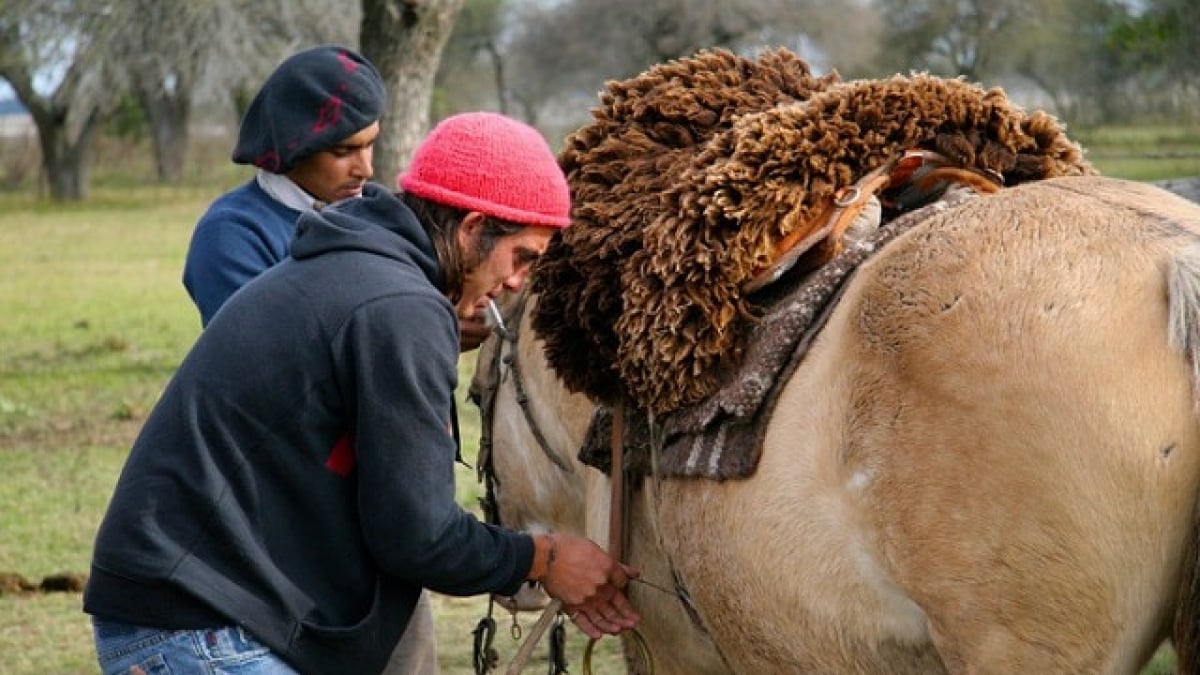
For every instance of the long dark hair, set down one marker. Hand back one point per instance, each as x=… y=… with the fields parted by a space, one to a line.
x=441 y=223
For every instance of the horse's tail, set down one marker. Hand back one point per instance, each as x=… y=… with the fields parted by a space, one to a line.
x=1183 y=299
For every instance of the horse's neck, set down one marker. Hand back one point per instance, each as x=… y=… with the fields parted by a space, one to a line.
x=562 y=415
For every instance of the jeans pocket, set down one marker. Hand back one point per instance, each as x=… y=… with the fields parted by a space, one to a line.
x=154 y=664
x=116 y=640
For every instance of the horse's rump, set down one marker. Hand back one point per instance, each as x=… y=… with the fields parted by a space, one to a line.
x=988 y=461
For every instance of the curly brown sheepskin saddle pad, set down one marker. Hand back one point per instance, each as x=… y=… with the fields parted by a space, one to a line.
x=695 y=175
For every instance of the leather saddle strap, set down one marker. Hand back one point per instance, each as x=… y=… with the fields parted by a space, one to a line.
x=616 y=518
x=837 y=213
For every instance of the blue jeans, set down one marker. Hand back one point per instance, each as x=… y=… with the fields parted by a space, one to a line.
x=124 y=649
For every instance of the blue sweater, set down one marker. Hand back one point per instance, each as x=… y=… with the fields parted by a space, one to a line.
x=243 y=233
x=297 y=475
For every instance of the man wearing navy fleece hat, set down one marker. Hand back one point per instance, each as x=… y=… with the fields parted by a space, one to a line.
x=292 y=492
x=310 y=132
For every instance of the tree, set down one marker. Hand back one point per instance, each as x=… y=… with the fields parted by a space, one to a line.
x=1070 y=50
x=166 y=58
x=71 y=61
x=58 y=45
x=566 y=51
x=1067 y=54
x=1163 y=40
x=166 y=47
x=404 y=39
x=473 y=73
x=1183 y=39
x=971 y=38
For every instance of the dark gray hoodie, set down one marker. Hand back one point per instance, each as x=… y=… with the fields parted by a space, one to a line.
x=296 y=477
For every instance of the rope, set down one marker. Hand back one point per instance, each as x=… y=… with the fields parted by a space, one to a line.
x=640 y=646
x=484 y=655
x=526 y=650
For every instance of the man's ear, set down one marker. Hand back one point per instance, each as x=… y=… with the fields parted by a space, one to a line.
x=470 y=228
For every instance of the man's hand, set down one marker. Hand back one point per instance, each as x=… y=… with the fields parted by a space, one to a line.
x=588 y=581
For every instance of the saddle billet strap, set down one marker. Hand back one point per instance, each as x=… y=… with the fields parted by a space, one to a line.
x=619 y=496
x=923 y=176
x=849 y=203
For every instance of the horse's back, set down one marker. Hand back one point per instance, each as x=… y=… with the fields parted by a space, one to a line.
x=990 y=452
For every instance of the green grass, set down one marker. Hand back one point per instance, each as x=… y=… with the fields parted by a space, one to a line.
x=52 y=501
x=1143 y=153
x=95 y=320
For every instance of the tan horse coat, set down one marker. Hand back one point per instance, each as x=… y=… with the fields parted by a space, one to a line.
x=988 y=463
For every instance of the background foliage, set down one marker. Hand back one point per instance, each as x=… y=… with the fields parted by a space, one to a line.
x=189 y=65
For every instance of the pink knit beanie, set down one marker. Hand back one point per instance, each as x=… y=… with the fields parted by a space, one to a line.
x=492 y=164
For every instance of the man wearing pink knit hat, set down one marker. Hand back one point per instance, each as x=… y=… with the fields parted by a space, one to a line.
x=501 y=178
x=292 y=492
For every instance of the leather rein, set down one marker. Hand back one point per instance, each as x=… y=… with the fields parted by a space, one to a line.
x=508 y=332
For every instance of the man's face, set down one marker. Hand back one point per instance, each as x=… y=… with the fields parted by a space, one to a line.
x=503 y=268
x=337 y=173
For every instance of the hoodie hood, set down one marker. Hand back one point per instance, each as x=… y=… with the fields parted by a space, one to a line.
x=376 y=223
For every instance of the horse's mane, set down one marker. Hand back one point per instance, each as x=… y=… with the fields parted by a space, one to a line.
x=692 y=172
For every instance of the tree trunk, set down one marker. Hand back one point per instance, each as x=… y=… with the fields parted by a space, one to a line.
x=404 y=39
x=497 y=59
x=168 y=115
x=64 y=159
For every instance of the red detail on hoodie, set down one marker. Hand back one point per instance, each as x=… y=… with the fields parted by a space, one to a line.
x=341 y=457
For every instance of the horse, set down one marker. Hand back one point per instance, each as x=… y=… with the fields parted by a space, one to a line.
x=987 y=461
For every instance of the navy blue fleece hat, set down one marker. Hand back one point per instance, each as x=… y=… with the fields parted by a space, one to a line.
x=314 y=100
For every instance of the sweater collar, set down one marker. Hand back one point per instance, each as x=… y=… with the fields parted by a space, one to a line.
x=285 y=191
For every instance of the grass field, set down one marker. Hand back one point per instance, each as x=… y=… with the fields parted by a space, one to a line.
x=1146 y=153
x=94 y=322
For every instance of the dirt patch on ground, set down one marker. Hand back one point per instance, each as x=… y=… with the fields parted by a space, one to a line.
x=12 y=583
